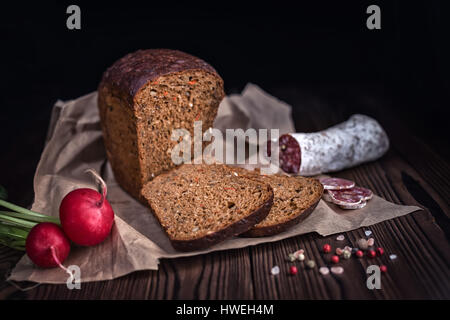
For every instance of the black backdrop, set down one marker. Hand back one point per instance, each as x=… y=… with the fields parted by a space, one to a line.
x=312 y=45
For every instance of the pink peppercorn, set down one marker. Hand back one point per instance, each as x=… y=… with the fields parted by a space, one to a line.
x=383 y=268
x=359 y=254
x=326 y=248
x=371 y=254
x=293 y=270
x=380 y=251
x=335 y=259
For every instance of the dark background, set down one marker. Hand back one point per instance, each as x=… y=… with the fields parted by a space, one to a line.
x=320 y=48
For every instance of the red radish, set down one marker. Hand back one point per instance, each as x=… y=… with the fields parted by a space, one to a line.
x=86 y=216
x=47 y=245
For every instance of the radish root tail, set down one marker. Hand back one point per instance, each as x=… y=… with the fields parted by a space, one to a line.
x=52 y=249
x=103 y=187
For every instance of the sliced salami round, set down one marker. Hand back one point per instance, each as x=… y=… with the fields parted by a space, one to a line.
x=360 y=205
x=336 y=183
x=364 y=193
x=290 y=154
x=344 y=197
x=326 y=196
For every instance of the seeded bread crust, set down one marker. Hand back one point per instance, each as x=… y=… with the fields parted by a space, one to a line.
x=281 y=227
x=130 y=73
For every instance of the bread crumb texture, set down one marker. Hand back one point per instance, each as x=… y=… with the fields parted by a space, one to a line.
x=292 y=196
x=194 y=201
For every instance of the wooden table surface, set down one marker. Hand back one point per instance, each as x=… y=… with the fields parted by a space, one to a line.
x=411 y=173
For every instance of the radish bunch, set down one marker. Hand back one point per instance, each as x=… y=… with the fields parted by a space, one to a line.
x=85 y=218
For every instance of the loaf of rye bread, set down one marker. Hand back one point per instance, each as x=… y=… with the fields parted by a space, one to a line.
x=142 y=98
x=201 y=205
x=294 y=200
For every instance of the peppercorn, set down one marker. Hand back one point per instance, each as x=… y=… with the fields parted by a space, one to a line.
x=324 y=270
x=275 y=270
x=347 y=254
x=335 y=259
x=380 y=251
x=371 y=254
x=359 y=253
x=339 y=251
x=337 y=270
x=301 y=257
x=383 y=268
x=292 y=257
x=326 y=248
x=310 y=264
x=293 y=270
x=362 y=244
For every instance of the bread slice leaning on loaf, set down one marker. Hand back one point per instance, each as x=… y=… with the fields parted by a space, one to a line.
x=144 y=96
x=201 y=205
x=295 y=198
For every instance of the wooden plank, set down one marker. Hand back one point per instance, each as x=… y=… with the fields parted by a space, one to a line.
x=219 y=275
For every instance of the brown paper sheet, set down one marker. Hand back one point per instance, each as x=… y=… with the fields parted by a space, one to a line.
x=137 y=242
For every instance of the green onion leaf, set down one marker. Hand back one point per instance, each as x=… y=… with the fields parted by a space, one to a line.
x=17 y=221
x=29 y=217
x=16 y=208
x=13 y=244
x=12 y=232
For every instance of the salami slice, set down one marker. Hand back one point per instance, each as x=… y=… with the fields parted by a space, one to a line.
x=289 y=154
x=344 y=197
x=326 y=196
x=364 y=193
x=354 y=198
x=336 y=183
x=357 y=140
x=360 y=205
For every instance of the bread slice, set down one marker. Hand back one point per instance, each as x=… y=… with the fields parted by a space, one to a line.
x=201 y=205
x=294 y=200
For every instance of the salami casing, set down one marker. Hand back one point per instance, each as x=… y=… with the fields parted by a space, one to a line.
x=326 y=196
x=336 y=183
x=357 y=140
x=360 y=205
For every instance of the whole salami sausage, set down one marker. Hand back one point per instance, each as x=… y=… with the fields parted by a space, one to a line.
x=357 y=140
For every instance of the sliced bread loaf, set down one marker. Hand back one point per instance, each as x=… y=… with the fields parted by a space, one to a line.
x=201 y=205
x=294 y=200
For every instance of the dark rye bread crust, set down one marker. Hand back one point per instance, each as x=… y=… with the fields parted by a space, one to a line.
x=232 y=230
x=130 y=73
x=281 y=227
